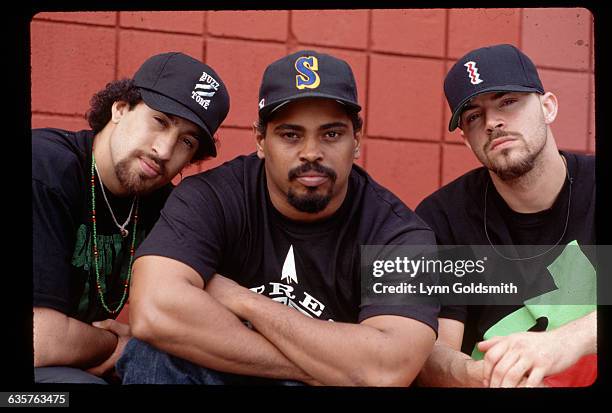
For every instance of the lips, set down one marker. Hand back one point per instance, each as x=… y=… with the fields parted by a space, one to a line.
x=312 y=179
x=150 y=168
x=501 y=142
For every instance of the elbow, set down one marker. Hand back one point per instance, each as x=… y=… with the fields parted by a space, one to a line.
x=144 y=320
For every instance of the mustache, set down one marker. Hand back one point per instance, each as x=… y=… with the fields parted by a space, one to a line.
x=158 y=162
x=312 y=166
x=500 y=133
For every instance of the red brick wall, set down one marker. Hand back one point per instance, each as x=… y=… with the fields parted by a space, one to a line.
x=399 y=58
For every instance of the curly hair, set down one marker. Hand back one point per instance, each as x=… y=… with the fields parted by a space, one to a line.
x=100 y=105
x=356 y=120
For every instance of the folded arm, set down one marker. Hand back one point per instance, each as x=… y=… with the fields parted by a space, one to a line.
x=60 y=340
x=381 y=351
x=170 y=309
x=447 y=366
x=534 y=355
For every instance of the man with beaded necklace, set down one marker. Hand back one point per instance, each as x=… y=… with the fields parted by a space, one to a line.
x=96 y=194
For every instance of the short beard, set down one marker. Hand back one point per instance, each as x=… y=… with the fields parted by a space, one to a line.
x=511 y=170
x=135 y=183
x=311 y=202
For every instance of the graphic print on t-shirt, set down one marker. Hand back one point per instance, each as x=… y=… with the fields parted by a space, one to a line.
x=575 y=278
x=291 y=296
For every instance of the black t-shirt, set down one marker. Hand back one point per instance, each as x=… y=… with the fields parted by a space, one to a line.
x=222 y=221
x=455 y=213
x=63 y=266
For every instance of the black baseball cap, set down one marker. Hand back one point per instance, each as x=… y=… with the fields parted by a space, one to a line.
x=499 y=68
x=180 y=85
x=307 y=74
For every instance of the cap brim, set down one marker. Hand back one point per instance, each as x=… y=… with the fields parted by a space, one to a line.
x=508 y=88
x=273 y=106
x=167 y=105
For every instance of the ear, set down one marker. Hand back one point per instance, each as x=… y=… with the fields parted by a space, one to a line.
x=550 y=106
x=119 y=109
x=357 y=145
x=260 y=141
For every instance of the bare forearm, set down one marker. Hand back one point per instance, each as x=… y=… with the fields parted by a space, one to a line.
x=199 y=329
x=580 y=335
x=447 y=367
x=332 y=352
x=64 y=341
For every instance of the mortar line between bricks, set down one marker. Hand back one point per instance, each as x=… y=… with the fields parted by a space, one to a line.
x=442 y=124
x=75 y=23
x=367 y=88
x=59 y=115
x=117 y=43
x=399 y=140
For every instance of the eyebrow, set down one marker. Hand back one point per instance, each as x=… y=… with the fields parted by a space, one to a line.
x=193 y=129
x=496 y=96
x=289 y=126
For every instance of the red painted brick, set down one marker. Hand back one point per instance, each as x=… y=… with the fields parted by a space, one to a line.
x=473 y=28
x=419 y=32
x=457 y=160
x=405 y=97
x=168 y=21
x=358 y=62
x=454 y=136
x=99 y=17
x=69 y=64
x=72 y=123
x=260 y=25
x=241 y=65
x=234 y=142
x=556 y=37
x=124 y=315
x=335 y=28
x=571 y=126
x=136 y=46
x=408 y=169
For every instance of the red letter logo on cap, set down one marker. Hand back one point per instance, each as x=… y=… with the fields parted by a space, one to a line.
x=473 y=72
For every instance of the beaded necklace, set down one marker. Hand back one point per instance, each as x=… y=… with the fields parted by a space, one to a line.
x=126 y=284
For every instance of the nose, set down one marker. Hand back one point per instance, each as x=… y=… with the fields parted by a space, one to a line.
x=494 y=120
x=311 y=150
x=163 y=146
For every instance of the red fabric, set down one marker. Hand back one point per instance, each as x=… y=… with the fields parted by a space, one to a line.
x=581 y=374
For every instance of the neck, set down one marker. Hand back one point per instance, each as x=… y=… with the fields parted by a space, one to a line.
x=104 y=161
x=538 y=189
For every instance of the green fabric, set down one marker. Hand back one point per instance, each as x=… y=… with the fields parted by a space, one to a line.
x=576 y=282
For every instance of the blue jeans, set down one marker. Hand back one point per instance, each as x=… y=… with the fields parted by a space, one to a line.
x=142 y=363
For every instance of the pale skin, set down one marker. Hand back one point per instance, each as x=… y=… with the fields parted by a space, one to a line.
x=284 y=343
x=165 y=144
x=526 y=358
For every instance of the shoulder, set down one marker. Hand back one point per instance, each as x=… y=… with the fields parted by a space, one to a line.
x=228 y=181
x=59 y=156
x=382 y=209
x=455 y=193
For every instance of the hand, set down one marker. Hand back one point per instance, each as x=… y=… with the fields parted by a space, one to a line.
x=122 y=331
x=524 y=359
x=475 y=373
x=226 y=291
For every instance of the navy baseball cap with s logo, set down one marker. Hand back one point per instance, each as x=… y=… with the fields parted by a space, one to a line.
x=307 y=74
x=499 y=68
